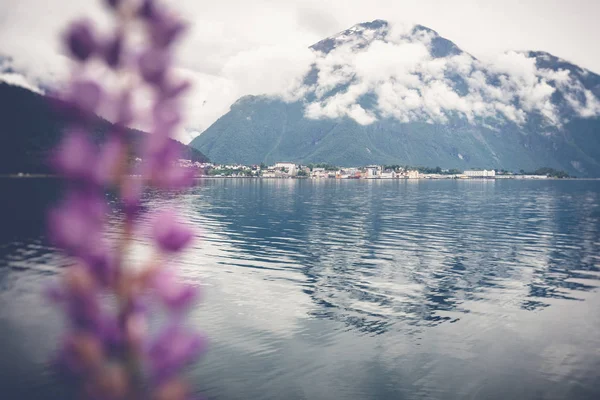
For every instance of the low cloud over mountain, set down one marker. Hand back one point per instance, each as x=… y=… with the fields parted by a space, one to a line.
x=375 y=70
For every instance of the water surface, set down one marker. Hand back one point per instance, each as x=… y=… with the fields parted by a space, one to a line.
x=353 y=289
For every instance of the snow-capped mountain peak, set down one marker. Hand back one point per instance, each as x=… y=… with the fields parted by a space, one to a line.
x=377 y=70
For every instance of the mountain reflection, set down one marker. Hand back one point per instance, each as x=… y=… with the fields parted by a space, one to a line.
x=365 y=289
x=374 y=253
x=370 y=254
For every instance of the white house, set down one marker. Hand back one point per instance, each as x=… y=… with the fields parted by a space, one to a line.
x=288 y=166
x=481 y=174
x=373 y=171
x=412 y=174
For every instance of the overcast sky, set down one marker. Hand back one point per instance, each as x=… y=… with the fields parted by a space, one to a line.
x=239 y=47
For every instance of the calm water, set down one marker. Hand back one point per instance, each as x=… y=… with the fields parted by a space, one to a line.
x=353 y=289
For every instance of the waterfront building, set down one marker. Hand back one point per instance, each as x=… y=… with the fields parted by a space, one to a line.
x=412 y=174
x=373 y=171
x=480 y=173
x=287 y=166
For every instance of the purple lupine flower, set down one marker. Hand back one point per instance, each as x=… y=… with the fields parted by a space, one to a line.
x=169 y=234
x=80 y=40
x=107 y=341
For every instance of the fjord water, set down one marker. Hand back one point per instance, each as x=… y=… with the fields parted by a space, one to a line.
x=352 y=289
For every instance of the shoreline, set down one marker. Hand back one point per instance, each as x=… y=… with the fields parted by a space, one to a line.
x=453 y=178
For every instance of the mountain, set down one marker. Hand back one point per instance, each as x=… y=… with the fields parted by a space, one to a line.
x=30 y=129
x=389 y=94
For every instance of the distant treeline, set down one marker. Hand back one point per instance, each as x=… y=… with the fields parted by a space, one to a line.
x=548 y=171
x=325 y=166
x=424 y=170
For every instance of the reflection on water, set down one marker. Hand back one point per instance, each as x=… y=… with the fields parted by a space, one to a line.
x=356 y=289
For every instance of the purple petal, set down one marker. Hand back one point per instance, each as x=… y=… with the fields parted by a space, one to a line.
x=110 y=159
x=165 y=29
x=153 y=66
x=166 y=115
x=173 y=349
x=75 y=156
x=86 y=95
x=147 y=9
x=169 y=234
x=113 y=51
x=176 y=177
x=160 y=165
x=68 y=230
x=84 y=311
x=100 y=263
x=80 y=40
x=80 y=102
x=131 y=192
x=124 y=110
x=76 y=225
x=109 y=332
x=174 y=90
x=175 y=295
x=113 y=3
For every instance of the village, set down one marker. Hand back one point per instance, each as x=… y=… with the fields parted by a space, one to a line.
x=288 y=170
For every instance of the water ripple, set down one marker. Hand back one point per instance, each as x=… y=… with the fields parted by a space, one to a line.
x=373 y=289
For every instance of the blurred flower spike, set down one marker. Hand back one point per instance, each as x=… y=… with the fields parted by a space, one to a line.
x=108 y=347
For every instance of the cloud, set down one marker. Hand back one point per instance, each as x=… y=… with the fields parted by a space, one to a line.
x=316 y=20
x=226 y=53
x=409 y=84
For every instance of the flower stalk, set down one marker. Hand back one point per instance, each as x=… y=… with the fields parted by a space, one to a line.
x=106 y=301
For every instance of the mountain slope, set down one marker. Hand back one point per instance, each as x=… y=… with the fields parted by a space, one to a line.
x=29 y=129
x=377 y=93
